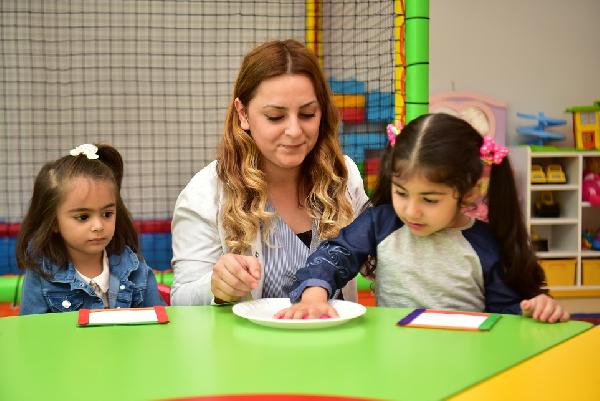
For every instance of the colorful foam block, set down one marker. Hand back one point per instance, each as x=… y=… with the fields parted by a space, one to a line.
x=153 y=226
x=380 y=113
x=380 y=99
x=372 y=165
x=342 y=101
x=8 y=261
x=347 y=86
x=352 y=115
x=9 y=229
x=371 y=181
x=156 y=248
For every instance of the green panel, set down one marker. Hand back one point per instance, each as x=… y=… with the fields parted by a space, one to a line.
x=417 y=48
x=419 y=87
x=417 y=58
x=417 y=8
x=415 y=110
x=8 y=285
x=165 y=278
x=206 y=350
x=361 y=168
x=362 y=283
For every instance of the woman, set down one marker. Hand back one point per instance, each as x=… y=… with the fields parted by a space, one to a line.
x=280 y=185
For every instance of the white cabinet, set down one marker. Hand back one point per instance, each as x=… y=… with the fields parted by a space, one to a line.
x=563 y=232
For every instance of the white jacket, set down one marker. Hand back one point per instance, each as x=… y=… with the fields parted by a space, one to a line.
x=199 y=237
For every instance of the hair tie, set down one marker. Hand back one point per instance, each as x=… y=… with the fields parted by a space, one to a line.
x=393 y=130
x=86 y=149
x=491 y=152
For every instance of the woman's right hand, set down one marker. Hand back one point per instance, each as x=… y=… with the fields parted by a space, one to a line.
x=312 y=305
x=234 y=276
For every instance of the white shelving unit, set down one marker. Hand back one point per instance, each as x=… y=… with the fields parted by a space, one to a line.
x=563 y=232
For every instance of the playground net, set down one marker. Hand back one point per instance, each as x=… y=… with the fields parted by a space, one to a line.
x=154 y=78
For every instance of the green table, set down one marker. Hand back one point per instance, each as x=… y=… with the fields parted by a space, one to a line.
x=206 y=350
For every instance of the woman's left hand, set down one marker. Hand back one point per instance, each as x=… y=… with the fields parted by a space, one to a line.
x=544 y=309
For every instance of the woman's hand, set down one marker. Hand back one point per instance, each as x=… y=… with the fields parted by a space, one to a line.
x=234 y=276
x=313 y=305
x=544 y=309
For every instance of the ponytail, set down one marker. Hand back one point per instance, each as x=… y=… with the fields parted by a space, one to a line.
x=521 y=268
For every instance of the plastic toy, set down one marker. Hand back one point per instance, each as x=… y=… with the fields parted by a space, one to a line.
x=590 y=240
x=546 y=206
x=555 y=174
x=590 y=188
x=586 y=125
x=537 y=174
x=537 y=134
x=586 y=239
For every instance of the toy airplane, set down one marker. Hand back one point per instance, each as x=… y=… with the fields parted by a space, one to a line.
x=537 y=134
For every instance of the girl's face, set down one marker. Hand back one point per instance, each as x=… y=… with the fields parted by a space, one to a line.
x=283 y=118
x=86 y=216
x=426 y=207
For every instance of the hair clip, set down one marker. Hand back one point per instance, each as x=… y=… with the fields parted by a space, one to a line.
x=393 y=130
x=86 y=149
x=491 y=152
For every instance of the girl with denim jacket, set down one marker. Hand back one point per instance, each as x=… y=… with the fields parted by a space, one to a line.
x=430 y=251
x=77 y=243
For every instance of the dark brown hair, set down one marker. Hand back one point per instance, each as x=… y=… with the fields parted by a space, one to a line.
x=37 y=239
x=323 y=183
x=446 y=150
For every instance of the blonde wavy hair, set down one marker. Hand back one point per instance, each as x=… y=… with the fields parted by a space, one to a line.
x=239 y=161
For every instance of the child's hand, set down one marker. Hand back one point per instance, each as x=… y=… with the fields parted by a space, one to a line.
x=544 y=309
x=313 y=305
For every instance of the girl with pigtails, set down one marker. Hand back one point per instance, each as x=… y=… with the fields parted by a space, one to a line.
x=77 y=242
x=430 y=251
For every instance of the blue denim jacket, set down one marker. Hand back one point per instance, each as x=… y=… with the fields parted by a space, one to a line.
x=131 y=285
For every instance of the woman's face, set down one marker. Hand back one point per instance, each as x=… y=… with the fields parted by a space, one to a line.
x=284 y=118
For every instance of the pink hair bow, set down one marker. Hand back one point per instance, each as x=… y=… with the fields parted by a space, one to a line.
x=393 y=130
x=491 y=152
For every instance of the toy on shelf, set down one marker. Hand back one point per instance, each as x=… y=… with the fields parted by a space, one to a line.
x=590 y=188
x=590 y=240
x=537 y=174
x=546 y=206
x=586 y=125
x=555 y=174
x=538 y=134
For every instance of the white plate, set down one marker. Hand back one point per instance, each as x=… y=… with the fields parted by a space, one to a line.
x=261 y=311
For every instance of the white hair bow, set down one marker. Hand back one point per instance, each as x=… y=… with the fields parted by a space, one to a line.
x=86 y=149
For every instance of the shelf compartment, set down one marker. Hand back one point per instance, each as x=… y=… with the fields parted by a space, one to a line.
x=559 y=271
x=590 y=272
x=570 y=165
x=566 y=200
x=590 y=218
x=561 y=238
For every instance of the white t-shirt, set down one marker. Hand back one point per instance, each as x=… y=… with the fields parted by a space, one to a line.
x=101 y=280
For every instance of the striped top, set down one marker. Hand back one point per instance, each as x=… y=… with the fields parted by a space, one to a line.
x=284 y=253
